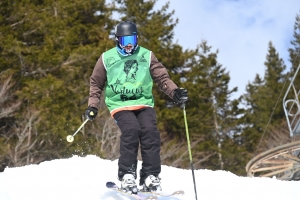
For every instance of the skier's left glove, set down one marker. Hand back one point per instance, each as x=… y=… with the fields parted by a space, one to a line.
x=91 y=113
x=180 y=95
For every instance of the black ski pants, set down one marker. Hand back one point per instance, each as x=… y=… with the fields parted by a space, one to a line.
x=138 y=127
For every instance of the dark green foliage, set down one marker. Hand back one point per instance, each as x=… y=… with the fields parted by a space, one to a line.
x=51 y=48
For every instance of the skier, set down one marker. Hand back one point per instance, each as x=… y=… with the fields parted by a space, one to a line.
x=127 y=72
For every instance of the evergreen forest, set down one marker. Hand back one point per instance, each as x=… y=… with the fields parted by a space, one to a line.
x=48 y=51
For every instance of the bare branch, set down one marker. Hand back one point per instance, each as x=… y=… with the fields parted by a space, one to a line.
x=25 y=131
x=7 y=105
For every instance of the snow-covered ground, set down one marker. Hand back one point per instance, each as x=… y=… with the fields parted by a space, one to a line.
x=84 y=178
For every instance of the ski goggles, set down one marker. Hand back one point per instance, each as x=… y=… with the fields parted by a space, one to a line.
x=128 y=39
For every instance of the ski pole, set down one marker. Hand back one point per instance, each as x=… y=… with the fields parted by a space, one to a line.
x=70 y=138
x=189 y=147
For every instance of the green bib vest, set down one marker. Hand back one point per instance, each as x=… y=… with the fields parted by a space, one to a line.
x=129 y=82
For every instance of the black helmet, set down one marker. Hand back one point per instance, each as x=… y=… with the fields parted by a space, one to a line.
x=126 y=28
x=126 y=36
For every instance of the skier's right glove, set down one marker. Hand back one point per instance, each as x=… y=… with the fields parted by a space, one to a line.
x=180 y=95
x=91 y=113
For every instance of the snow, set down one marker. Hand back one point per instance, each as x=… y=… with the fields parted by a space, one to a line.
x=84 y=178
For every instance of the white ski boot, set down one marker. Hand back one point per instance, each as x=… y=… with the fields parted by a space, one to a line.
x=152 y=184
x=128 y=184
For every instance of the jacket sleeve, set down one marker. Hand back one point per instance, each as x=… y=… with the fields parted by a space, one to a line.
x=161 y=77
x=97 y=83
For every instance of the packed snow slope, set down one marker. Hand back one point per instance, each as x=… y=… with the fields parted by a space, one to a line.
x=84 y=178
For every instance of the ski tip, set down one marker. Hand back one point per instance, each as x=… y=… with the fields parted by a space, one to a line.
x=179 y=192
x=110 y=184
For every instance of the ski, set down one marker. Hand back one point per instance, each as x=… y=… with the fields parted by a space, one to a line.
x=176 y=193
x=139 y=196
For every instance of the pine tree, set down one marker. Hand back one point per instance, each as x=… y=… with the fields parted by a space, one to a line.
x=224 y=112
x=295 y=51
x=212 y=116
x=264 y=101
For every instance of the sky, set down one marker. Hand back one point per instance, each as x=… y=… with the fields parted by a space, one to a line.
x=84 y=178
x=240 y=29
